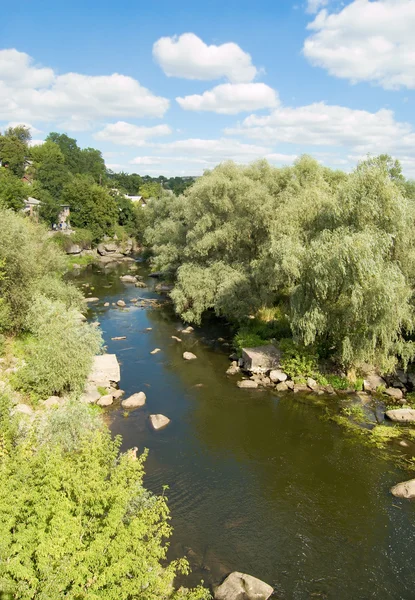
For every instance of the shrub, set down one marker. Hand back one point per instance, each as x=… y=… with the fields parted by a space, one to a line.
x=298 y=362
x=81 y=237
x=60 y=356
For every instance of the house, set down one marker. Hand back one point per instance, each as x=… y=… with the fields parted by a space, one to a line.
x=31 y=207
x=137 y=200
x=64 y=217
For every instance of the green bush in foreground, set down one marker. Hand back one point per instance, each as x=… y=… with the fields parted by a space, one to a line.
x=80 y=525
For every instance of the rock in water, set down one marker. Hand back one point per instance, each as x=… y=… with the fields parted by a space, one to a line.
x=394 y=393
x=238 y=586
x=105 y=400
x=155 y=351
x=140 y=284
x=406 y=489
x=174 y=337
x=128 y=278
x=401 y=415
x=261 y=359
x=119 y=337
x=117 y=394
x=159 y=421
x=105 y=369
x=247 y=384
x=189 y=356
x=121 y=303
x=91 y=300
x=134 y=401
x=278 y=376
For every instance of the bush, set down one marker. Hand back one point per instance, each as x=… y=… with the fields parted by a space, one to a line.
x=298 y=362
x=60 y=356
x=81 y=237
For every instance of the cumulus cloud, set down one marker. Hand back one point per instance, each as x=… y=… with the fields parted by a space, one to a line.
x=314 y=6
x=231 y=98
x=366 y=41
x=214 y=150
x=320 y=124
x=127 y=134
x=33 y=129
x=189 y=57
x=32 y=93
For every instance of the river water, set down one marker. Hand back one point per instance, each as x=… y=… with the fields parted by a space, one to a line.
x=256 y=482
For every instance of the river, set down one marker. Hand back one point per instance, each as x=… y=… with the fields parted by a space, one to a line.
x=256 y=482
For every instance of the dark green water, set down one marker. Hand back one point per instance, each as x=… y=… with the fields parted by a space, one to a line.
x=257 y=483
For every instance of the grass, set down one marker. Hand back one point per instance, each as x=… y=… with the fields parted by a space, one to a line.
x=82 y=261
x=343 y=383
x=103 y=391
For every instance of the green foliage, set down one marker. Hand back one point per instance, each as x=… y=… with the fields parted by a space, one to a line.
x=81 y=525
x=13 y=192
x=69 y=149
x=342 y=383
x=49 y=168
x=297 y=361
x=14 y=149
x=150 y=189
x=60 y=356
x=81 y=237
x=246 y=338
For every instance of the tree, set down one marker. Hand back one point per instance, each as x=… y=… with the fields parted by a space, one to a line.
x=92 y=163
x=69 y=149
x=92 y=207
x=49 y=168
x=150 y=189
x=13 y=192
x=49 y=207
x=14 y=150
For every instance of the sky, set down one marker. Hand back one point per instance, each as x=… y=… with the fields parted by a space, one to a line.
x=175 y=88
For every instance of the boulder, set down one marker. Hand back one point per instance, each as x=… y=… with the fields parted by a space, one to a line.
x=121 y=303
x=406 y=489
x=106 y=304
x=401 y=415
x=117 y=394
x=188 y=329
x=174 y=337
x=105 y=400
x=164 y=288
x=233 y=369
x=118 y=338
x=134 y=401
x=128 y=278
x=394 y=393
x=105 y=369
x=261 y=359
x=159 y=421
x=155 y=351
x=312 y=383
x=300 y=388
x=140 y=284
x=52 y=401
x=93 y=299
x=91 y=394
x=25 y=409
x=290 y=384
x=373 y=382
x=277 y=375
x=189 y=356
x=73 y=249
x=281 y=387
x=110 y=247
x=247 y=384
x=239 y=586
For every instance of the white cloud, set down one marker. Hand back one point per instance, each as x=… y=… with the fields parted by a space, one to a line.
x=33 y=129
x=281 y=159
x=189 y=57
x=231 y=98
x=214 y=151
x=366 y=41
x=127 y=134
x=314 y=6
x=320 y=124
x=32 y=93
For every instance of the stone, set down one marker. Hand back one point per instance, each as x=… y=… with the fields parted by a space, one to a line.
x=155 y=351
x=164 y=288
x=373 y=382
x=110 y=247
x=128 y=278
x=25 y=409
x=276 y=375
x=233 y=370
x=159 y=421
x=188 y=329
x=239 y=586
x=93 y=299
x=189 y=356
x=90 y=395
x=140 y=284
x=300 y=388
x=401 y=415
x=134 y=300
x=247 y=384
x=119 y=337
x=106 y=400
x=116 y=394
x=73 y=249
x=105 y=369
x=281 y=387
x=135 y=401
x=312 y=383
x=261 y=358
x=121 y=303
x=330 y=390
x=402 y=376
x=290 y=384
x=106 y=304
x=394 y=393
x=52 y=401
x=405 y=489
x=174 y=337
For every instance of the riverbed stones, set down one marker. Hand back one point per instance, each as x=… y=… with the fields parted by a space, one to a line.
x=261 y=358
x=373 y=382
x=312 y=383
x=116 y=394
x=300 y=388
x=121 y=303
x=135 y=401
x=277 y=376
x=106 y=400
x=52 y=401
x=128 y=278
x=105 y=370
x=174 y=337
x=106 y=304
x=91 y=394
x=239 y=586
x=282 y=387
x=159 y=421
x=140 y=284
x=92 y=299
x=189 y=356
x=394 y=393
x=188 y=329
x=246 y=384
x=233 y=369
x=118 y=338
x=155 y=351
x=24 y=409
x=401 y=415
x=405 y=489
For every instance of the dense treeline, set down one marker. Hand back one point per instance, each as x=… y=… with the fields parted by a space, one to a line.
x=59 y=172
x=325 y=255
x=75 y=519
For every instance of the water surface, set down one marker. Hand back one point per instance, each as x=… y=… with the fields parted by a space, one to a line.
x=257 y=483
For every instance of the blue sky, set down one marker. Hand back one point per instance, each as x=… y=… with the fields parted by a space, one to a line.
x=176 y=87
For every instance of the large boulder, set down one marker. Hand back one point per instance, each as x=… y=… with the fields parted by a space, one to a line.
x=135 y=401
x=373 y=382
x=91 y=394
x=278 y=376
x=128 y=278
x=105 y=369
x=261 y=359
x=106 y=400
x=239 y=586
x=406 y=489
x=247 y=384
x=73 y=249
x=189 y=356
x=401 y=415
x=159 y=421
x=394 y=393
